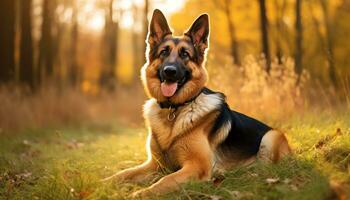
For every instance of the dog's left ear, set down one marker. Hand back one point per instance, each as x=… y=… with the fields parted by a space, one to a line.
x=199 y=30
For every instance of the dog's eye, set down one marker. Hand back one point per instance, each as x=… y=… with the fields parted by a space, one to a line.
x=184 y=54
x=164 y=52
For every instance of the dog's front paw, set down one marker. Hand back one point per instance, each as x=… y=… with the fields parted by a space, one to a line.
x=120 y=177
x=141 y=194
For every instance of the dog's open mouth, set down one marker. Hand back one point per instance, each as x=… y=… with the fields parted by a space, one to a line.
x=170 y=85
x=168 y=89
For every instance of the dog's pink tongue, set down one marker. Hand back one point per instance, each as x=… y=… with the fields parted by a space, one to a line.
x=168 y=89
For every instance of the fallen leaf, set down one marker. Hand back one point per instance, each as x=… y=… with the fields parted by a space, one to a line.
x=74 y=144
x=294 y=187
x=240 y=195
x=272 y=180
x=83 y=194
x=218 y=180
x=215 y=197
x=24 y=175
x=325 y=140
x=254 y=174
x=287 y=181
x=26 y=142
x=339 y=132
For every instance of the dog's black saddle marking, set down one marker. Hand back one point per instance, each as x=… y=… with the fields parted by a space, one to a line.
x=245 y=134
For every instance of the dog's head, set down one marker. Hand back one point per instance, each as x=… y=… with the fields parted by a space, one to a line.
x=175 y=71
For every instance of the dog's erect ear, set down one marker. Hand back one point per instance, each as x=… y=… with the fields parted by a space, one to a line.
x=158 y=27
x=199 y=30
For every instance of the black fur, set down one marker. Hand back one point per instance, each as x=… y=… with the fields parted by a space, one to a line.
x=246 y=133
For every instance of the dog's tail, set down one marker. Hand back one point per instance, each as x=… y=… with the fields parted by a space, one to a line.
x=274 y=146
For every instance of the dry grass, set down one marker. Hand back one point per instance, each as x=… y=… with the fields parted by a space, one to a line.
x=45 y=108
x=277 y=95
x=51 y=107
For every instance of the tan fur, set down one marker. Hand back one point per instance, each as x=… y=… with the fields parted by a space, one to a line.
x=195 y=161
x=221 y=135
x=175 y=48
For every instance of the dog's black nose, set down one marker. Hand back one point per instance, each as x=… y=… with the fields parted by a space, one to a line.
x=170 y=71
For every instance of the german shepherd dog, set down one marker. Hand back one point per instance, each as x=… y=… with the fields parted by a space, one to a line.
x=192 y=130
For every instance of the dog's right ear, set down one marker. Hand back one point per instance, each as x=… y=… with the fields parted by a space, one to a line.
x=158 y=28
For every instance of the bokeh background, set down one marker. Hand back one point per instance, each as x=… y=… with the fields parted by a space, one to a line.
x=72 y=62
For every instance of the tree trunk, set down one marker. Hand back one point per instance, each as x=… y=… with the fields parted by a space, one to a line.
x=329 y=44
x=46 y=43
x=108 y=78
x=264 y=34
x=73 y=68
x=136 y=51
x=26 y=75
x=145 y=29
x=57 y=45
x=279 y=28
x=232 y=33
x=7 y=40
x=298 y=39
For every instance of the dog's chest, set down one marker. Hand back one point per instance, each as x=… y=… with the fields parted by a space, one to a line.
x=186 y=118
x=167 y=130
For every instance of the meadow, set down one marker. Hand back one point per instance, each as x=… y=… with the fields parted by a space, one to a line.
x=69 y=163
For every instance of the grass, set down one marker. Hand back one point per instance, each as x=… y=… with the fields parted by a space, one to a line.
x=68 y=164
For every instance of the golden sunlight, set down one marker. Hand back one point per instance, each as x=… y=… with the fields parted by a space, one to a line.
x=92 y=18
x=96 y=22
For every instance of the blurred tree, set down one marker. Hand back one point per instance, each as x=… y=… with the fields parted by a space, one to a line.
x=329 y=43
x=26 y=69
x=7 y=40
x=145 y=28
x=58 y=28
x=264 y=34
x=110 y=40
x=46 y=56
x=73 y=65
x=298 y=38
x=341 y=30
x=326 y=39
x=280 y=9
x=138 y=53
x=226 y=6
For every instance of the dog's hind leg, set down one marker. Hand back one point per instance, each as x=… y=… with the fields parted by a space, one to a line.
x=273 y=146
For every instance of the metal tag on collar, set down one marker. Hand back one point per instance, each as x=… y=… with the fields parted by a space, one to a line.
x=171 y=115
